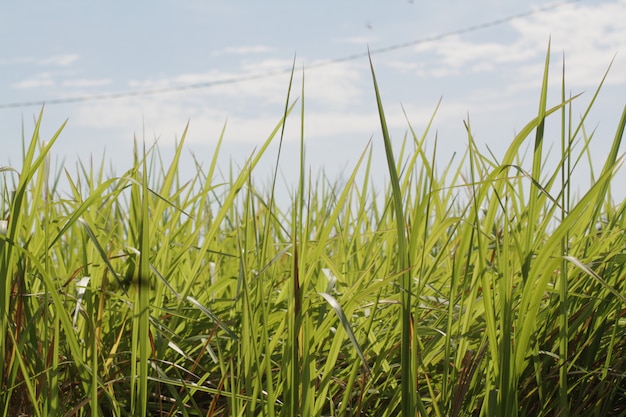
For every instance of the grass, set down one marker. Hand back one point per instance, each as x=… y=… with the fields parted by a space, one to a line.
x=482 y=289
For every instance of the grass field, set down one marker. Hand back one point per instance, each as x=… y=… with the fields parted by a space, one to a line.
x=483 y=288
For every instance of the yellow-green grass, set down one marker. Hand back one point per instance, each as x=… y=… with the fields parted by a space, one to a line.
x=479 y=289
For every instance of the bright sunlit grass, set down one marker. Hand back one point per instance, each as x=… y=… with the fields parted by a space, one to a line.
x=483 y=290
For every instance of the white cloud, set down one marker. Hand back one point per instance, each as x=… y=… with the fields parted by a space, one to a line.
x=55 y=60
x=264 y=82
x=244 y=50
x=47 y=78
x=589 y=35
x=43 y=79
x=337 y=86
x=18 y=60
x=333 y=104
x=59 y=60
x=266 y=65
x=87 y=83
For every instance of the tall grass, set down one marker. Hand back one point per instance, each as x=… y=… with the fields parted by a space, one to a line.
x=479 y=289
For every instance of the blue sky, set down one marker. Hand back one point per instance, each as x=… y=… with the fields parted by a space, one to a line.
x=65 y=49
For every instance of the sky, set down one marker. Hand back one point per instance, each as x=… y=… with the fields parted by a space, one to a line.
x=225 y=65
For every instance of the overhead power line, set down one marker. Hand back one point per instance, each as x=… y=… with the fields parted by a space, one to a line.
x=268 y=74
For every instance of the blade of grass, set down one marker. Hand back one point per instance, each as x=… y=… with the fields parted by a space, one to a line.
x=346 y=325
x=409 y=401
x=140 y=354
x=533 y=209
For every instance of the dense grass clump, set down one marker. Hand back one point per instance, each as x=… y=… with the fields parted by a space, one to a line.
x=483 y=289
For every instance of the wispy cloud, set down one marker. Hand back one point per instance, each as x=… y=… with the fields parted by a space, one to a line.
x=244 y=50
x=18 y=60
x=265 y=81
x=43 y=79
x=59 y=60
x=50 y=61
x=86 y=83
x=333 y=98
x=589 y=35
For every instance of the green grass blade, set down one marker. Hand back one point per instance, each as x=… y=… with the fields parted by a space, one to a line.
x=346 y=325
x=408 y=363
